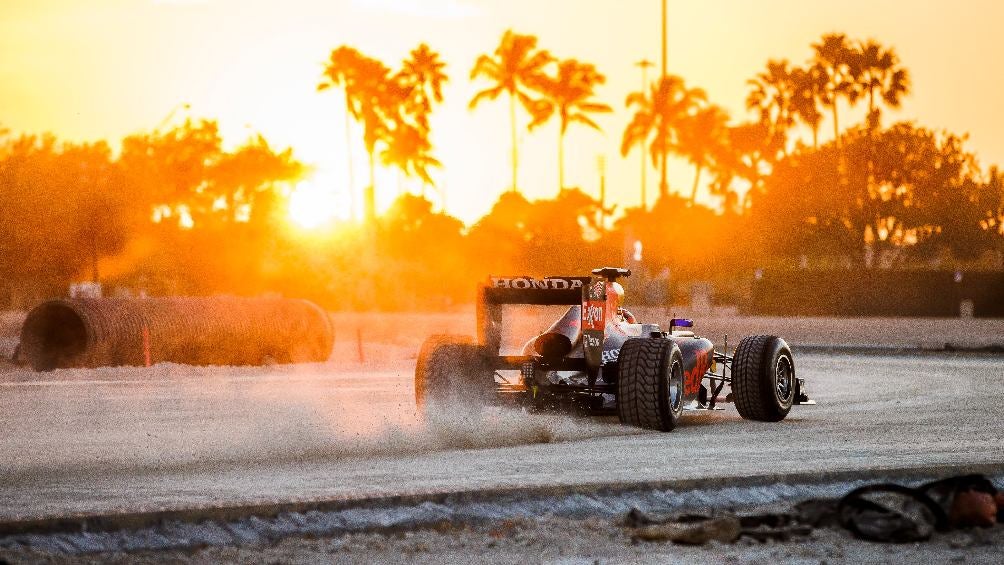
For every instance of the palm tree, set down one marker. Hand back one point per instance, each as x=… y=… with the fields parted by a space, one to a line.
x=644 y=65
x=420 y=81
x=881 y=74
x=408 y=148
x=837 y=60
x=808 y=86
x=341 y=71
x=377 y=101
x=702 y=139
x=517 y=65
x=771 y=96
x=569 y=94
x=780 y=95
x=660 y=114
x=422 y=75
x=748 y=154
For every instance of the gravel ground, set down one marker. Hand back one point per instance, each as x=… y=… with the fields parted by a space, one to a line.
x=172 y=437
x=555 y=540
x=176 y=437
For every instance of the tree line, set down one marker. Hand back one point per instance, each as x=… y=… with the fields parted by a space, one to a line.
x=173 y=212
x=171 y=208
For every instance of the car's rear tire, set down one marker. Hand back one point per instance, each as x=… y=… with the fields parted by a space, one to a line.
x=763 y=378
x=650 y=384
x=451 y=375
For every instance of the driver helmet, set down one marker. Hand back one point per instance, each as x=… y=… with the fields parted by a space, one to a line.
x=618 y=293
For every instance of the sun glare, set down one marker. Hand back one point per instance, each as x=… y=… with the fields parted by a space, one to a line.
x=314 y=204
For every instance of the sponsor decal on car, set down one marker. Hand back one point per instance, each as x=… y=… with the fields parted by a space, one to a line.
x=598 y=290
x=594 y=307
x=591 y=341
x=692 y=378
x=593 y=316
x=594 y=321
x=528 y=283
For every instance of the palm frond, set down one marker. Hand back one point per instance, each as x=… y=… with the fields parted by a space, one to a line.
x=487 y=94
x=584 y=119
x=595 y=107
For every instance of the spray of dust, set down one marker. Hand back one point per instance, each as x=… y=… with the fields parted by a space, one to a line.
x=200 y=419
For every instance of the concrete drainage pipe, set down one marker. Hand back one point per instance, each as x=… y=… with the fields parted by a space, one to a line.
x=196 y=331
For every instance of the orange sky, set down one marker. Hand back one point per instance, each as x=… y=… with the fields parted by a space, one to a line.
x=105 y=68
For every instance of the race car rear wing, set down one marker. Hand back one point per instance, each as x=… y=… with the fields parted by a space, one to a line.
x=597 y=299
x=498 y=291
x=529 y=290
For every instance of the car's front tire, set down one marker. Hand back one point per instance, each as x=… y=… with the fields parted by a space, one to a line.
x=650 y=384
x=763 y=378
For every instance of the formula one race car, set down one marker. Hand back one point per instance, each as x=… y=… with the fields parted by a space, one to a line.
x=597 y=358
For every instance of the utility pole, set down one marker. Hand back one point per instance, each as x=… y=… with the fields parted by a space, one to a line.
x=181 y=106
x=645 y=65
x=663 y=185
x=601 y=163
x=663 y=38
x=348 y=160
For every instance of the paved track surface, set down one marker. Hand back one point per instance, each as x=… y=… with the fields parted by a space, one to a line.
x=130 y=439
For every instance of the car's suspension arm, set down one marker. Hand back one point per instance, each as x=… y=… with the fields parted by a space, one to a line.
x=717 y=381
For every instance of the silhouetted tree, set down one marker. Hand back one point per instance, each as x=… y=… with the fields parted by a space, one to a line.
x=569 y=94
x=991 y=202
x=393 y=109
x=409 y=149
x=988 y=203
x=63 y=208
x=534 y=237
x=659 y=115
x=239 y=181
x=923 y=195
x=662 y=229
x=808 y=92
x=372 y=98
x=341 y=71
x=516 y=67
x=379 y=102
x=837 y=60
x=771 y=96
x=423 y=77
x=703 y=139
x=880 y=74
x=408 y=145
x=167 y=169
x=406 y=275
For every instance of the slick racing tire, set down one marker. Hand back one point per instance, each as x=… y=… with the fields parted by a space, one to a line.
x=650 y=384
x=763 y=378
x=451 y=375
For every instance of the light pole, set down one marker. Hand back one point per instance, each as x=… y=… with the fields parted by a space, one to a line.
x=601 y=164
x=181 y=106
x=663 y=38
x=644 y=65
x=663 y=185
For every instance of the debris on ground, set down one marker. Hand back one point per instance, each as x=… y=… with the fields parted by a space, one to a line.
x=881 y=512
x=723 y=529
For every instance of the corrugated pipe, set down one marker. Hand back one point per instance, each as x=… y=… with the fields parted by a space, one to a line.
x=100 y=332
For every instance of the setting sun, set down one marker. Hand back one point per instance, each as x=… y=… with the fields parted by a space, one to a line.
x=314 y=204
